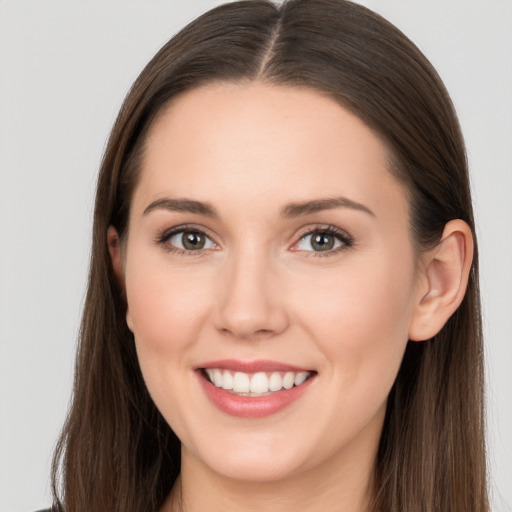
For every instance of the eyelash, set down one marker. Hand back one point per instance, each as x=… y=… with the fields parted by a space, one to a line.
x=346 y=240
x=164 y=238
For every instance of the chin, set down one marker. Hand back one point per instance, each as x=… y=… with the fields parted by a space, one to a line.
x=259 y=460
x=257 y=469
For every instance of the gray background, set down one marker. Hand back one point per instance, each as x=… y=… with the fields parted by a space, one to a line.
x=65 y=67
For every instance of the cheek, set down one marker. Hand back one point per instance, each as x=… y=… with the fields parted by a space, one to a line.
x=360 y=320
x=166 y=307
x=166 y=310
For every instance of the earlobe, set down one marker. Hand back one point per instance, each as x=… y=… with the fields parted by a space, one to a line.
x=445 y=274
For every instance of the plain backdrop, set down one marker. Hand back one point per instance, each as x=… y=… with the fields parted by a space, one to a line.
x=65 y=67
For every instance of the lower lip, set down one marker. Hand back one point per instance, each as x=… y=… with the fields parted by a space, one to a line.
x=252 y=406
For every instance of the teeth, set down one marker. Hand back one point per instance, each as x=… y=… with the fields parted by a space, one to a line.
x=301 y=377
x=257 y=383
x=288 y=380
x=217 y=378
x=275 y=382
x=241 y=383
x=227 y=380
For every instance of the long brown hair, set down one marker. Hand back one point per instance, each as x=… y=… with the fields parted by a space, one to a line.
x=116 y=452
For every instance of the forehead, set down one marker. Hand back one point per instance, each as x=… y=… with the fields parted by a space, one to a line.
x=260 y=141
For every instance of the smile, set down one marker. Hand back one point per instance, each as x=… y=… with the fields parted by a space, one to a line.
x=255 y=389
x=255 y=384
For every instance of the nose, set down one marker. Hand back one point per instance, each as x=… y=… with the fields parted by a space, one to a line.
x=251 y=302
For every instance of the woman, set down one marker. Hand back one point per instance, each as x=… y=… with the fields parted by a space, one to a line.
x=283 y=304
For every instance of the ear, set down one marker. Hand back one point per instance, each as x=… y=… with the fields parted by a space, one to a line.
x=443 y=279
x=114 y=248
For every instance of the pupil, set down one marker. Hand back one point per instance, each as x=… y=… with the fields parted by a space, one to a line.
x=192 y=240
x=322 y=242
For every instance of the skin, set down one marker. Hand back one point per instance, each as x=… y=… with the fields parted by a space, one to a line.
x=259 y=290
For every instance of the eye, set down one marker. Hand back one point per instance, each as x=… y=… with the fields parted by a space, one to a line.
x=187 y=240
x=323 y=240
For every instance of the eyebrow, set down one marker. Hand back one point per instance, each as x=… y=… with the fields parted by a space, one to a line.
x=182 y=205
x=298 y=209
x=291 y=210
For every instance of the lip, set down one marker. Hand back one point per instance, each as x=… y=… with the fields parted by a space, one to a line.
x=247 y=406
x=252 y=366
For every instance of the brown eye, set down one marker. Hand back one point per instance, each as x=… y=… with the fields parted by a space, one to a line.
x=190 y=240
x=322 y=241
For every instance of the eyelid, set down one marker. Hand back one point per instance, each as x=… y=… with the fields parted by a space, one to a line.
x=347 y=241
x=343 y=236
x=163 y=238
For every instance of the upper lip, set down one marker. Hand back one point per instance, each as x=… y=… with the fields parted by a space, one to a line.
x=259 y=365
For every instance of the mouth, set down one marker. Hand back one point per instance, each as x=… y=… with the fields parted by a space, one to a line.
x=254 y=384
x=253 y=389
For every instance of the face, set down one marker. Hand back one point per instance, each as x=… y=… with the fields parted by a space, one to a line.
x=268 y=251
